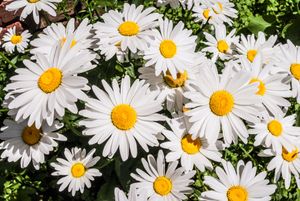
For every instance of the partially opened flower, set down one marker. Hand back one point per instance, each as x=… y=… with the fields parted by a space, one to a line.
x=241 y=184
x=29 y=143
x=161 y=184
x=171 y=90
x=33 y=6
x=14 y=41
x=123 y=115
x=76 y=169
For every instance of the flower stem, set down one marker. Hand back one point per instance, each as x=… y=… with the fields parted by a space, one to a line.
x=7 y=60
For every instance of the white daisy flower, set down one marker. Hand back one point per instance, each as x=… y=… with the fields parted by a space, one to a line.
x=172 y=89
x=44 y=89
x=249 y=47
x=276 y=132
x=285 y=164
x=162 y=185
x=221 y=45
x=29 y=143
x=58 y=33
x=123 y=115
x=222 y=102
x=289 y=62
x=190 y=151
x=173 y=49
x=77 y=170
x=215 y=11
x=14 y=41
x=33 y=6
x=271 y=89
x=132 y=195
x=130 y=29
x=241 y=184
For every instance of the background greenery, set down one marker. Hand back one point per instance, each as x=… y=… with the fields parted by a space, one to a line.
x=279 y=17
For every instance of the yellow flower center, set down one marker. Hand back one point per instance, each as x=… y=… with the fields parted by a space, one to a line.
x=129 y=28
x=78 y=170
x=16 y=39
x=275 y=128
x=289 y=156
x=123 y=116
x=221 y=103
x=237 y=193
x=31 y=135
x=178 y=82
x=206 y=13
x=189 y=145
x=168 y=48
x=33 y=1
x=222 y=46
x=50 y=80
x=162 y=185
x=63 y=40
x=261 y=87
x=295 y=70
x=220 y=7
x=251 y=55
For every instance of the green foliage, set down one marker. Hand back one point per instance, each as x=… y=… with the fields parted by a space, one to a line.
x=280 y=17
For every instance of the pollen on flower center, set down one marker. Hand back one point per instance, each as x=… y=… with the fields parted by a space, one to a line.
x=275 y=128
x=289 y=156
x=50 y=80
x=251 y=55
x=295 y=70
x=123 y=116
x=168 y=48
x=33 y=1
x=261 y=87
x=222 y=46
x=162 y=185
x=31 y=135
x=178 y=82
x=16 y=39
x=63 y=40
x=78 y=170
x=221 y=103
x=237 y=193
x=189 y=145
x=206 y=13
x=129 y=28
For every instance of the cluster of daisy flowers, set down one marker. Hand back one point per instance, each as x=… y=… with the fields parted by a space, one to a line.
x=210 y=108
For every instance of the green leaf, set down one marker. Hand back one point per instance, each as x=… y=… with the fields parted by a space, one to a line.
x=257 y=24
x=292 y=31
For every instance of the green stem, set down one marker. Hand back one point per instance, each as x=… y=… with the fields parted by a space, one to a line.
x=247 y=154
x=7 y=60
